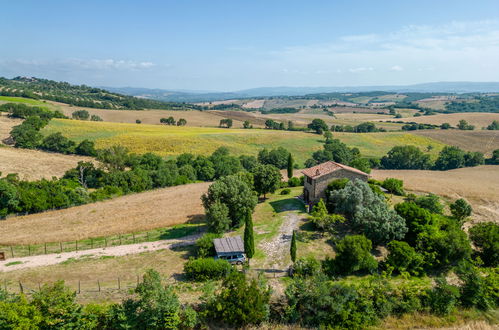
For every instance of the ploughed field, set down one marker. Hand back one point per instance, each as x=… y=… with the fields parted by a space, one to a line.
x=478 y=119
x=173 y=140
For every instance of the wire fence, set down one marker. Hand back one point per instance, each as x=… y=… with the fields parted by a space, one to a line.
x=16 y=251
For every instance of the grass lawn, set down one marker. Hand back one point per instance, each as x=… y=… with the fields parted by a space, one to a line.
x=12 y=99
x=172 y=140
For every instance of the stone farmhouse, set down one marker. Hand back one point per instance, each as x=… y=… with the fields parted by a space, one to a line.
x=318 y=177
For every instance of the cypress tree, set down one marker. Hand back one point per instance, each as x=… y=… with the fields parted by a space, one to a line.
x=249 y=241
x=290 y=166
x=292 y=250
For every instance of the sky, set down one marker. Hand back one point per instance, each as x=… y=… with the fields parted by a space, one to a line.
x=233 y=45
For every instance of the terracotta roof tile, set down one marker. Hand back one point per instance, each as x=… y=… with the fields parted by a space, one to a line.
x=329 y=167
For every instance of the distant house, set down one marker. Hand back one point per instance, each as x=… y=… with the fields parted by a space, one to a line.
x=318 y=177
x=230 y=249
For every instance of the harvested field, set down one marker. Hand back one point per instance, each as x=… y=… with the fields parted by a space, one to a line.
x=479 y=119
x=6 y=125
x=479 y=185
x=137 y=212
x=254 y=104
x=483 y=141
x=35 y=164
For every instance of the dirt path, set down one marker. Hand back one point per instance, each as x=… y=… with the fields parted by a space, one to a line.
x=277 y=249
x=116 y=251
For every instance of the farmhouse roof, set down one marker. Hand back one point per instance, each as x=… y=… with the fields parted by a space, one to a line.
x=327 y=168
x=229 y=245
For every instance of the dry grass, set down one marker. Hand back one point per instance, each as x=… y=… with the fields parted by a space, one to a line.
x=479 y=119
x=483 y=141
x=479 y=185
x=137 y=212
x=6 y=125
x=35 y=165
x=193 y=117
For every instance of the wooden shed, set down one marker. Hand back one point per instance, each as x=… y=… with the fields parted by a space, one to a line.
x=230 y=249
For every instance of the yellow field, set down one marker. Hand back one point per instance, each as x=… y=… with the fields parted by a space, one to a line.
x=171 y=141
x=477 y=140
x=479 y=119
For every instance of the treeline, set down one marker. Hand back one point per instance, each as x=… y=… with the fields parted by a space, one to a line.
x=477 y=104
x=81 y=95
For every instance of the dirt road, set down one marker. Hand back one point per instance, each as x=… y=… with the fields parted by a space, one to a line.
x=116 y=251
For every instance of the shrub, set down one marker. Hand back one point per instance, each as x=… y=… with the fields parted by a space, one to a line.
x=56 y=142
x=416 y=219
x=294 y=182
x=406 y=157
x=286 y=191
x=460 y=209
x=478 y=291
x=86 y=148
x=240 y=302
x=394 y=186
x=403 y=258
x=485 y=236
x=431 y=202
x=95 y=118
x=204 y=245
x=353 y=255
x=450 y=158
x=305 y=267
x=206 y=269
x=217 y=217
x=443 y=298
x=80 y=115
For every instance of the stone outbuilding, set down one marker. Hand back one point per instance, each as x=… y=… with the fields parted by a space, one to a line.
x=318 y=177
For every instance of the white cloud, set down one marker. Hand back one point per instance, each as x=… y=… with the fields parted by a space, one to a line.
x=360 y=69
x=396 y=68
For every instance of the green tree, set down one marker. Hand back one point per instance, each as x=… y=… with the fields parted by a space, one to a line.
x=353 y=256
x=204 y=245
x=19 y=314
x=431 y=202
x=249 y=241
x=416 y=219
x=394 y=186
x=114 y=158
x=407 y=158
x=318 y=125
x=290 y=166
x=95 y=118
x=235 y=194
x=277 y=157
x=403 y=258
x=443 y=298
x=9 y=199
x=362 y=164
x=217 y=217
x=80 y=115
x=485 y=236
x=450 y=158
x=292 y=249
x=328 y=136
x=86 y=148
x=181 y=122
x=267 y=179
x=56 y=142
x=494 y=126
x=247 y=124
x=240 y=302
x=460 y=209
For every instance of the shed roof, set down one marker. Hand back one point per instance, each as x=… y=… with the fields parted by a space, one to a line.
x=229 y=245
x=329 y=167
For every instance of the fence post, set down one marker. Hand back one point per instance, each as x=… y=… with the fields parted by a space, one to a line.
x=45 y=246
x=79 y=286
x=137 y=280
x=5 y=285
x=29 y=250
x=120 y=239
x=119 y=284
x=133 y=235
x=98 y=284
x=60 y=245
x=12 y=251
x=147 y=235
x=21 y=287
x=39 y=287
x=76 y=245
x=105 y=241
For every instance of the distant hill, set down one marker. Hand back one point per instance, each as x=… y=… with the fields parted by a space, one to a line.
x=80 y=95
x=193 y=96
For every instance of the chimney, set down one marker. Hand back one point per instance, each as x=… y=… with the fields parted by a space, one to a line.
x=317 y=172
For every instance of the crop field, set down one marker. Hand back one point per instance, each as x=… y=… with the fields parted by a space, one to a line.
x=136 y=212
x=479 y=185
x=6 y=125
x=172 y=141
x=479 y=119
x=9 y=99
x=483 y=141
x=35 y=164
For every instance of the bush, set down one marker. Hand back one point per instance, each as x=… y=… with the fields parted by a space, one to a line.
x=217 y=217
x=431 y=202
x=80 y=115
x=204 y=245
x=240 y=302
x=56 y=142
x=294 y=182
x=406 y=157
x=403 y=258
x=485 y=236
x=478 y=291
x=353 y=255
x=443 y=298
x=286 y=191
x=86 y=148
x=394 y=186
x=460 y=209
x=416 y=219
x=305 y=267
x=95 y=118
x=206 y=269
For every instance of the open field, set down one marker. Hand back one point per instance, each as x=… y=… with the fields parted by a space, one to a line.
x=137 y=212
x=6 y=125
x=483 y=141
x=479 y=119
x=9 y=99
x=35 y=164
x=479 y=185
x=171 y=141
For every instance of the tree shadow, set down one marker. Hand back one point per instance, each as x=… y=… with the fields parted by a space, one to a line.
x=288 y=204
x=181 y=231
x=195 y=218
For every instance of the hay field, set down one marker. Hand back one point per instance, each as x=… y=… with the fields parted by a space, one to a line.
x=35 y=164
x=479 y=119
x=171 y=141
x=131 y=213
x=6 y=125
x=483 y=141
x=479 y=185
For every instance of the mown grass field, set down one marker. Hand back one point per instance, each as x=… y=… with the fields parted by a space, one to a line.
x=172 y=141
x=8 y=99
